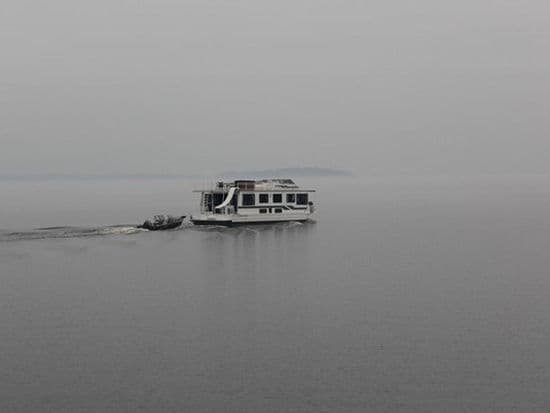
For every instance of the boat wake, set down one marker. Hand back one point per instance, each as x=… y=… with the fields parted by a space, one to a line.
x=68 y=232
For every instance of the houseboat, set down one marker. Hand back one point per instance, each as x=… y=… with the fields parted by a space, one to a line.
x=254 y=202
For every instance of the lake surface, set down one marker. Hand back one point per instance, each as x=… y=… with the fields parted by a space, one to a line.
x=407 y=294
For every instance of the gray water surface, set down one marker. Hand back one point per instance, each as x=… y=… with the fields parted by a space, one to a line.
x=405 y=295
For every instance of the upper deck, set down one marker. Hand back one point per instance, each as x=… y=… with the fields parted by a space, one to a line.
x=263 y=185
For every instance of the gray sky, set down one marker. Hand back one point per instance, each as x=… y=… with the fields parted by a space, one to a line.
x=425 y=86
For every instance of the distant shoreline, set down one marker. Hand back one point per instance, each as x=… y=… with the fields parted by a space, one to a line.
x=287 y=173
x=268 y=173
x=73 y=177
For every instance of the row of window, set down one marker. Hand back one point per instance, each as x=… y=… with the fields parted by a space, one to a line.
x=276 y=210
x=299 y=199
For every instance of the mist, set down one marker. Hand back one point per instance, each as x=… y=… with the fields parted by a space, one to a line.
x=195 y=87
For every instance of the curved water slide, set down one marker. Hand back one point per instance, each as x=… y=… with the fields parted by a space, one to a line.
x=228 y=199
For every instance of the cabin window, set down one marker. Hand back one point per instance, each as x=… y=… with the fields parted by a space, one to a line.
x=249 y=199
x=278 y=210
x=264 y=198
x=263 y=211
x=301 y=199
x=277 y=198
x=245 y=185
x=290 y=198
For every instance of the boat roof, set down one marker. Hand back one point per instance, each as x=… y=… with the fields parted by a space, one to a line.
x=274 y=183
x=261 y=185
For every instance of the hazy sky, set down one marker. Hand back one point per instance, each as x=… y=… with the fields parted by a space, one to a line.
x=424 y=86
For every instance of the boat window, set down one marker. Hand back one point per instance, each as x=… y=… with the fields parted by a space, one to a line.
x=278 y=210
x=277 y=198
x=263 y=211
x=301 y=199
x=245 y=185
x=264 y=198
x=290 y=198
x=249 y=199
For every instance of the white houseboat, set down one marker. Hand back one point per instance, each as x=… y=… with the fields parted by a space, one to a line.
x=254 y=202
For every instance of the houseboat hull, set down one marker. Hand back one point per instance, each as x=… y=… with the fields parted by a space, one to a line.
x=247 y=220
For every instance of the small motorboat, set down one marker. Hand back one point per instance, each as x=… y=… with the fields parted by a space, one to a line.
x=162 y=222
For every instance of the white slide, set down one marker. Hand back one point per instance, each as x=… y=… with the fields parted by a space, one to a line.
x=228 y=199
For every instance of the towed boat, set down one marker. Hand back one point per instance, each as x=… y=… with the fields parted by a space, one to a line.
x=162 y=222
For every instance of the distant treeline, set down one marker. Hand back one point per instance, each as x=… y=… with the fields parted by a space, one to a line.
x=287 y=173
x=267 y=173
x=91 y=177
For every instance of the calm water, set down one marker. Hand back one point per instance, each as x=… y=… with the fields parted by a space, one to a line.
x=405 y=295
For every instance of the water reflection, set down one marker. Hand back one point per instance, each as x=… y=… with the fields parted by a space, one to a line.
x=244 y=251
